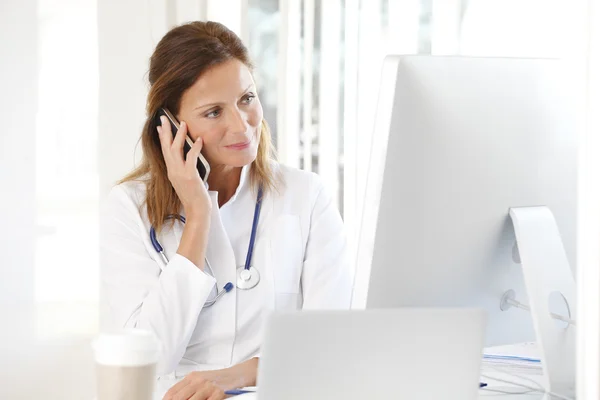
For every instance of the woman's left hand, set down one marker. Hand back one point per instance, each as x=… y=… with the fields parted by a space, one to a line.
x=211 y=385
x=202 y=385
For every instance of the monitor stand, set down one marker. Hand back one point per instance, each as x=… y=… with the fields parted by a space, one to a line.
x=551 y=293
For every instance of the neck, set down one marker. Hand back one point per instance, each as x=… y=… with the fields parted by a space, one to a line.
x=224 y=180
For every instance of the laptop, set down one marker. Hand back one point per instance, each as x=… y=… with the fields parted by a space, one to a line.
x=411 y=353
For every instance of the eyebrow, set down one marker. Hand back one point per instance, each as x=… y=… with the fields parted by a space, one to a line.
x=220 y=103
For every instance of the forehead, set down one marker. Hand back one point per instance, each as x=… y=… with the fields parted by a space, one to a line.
x=220 y=83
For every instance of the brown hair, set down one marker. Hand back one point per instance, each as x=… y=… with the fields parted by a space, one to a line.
x=180 y=58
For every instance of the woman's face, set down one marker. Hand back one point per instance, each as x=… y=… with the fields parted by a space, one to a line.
x=223 y=109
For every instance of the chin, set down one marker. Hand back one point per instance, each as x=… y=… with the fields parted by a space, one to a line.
x=242 y=160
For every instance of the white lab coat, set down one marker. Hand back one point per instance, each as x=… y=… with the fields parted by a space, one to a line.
x=300 y=253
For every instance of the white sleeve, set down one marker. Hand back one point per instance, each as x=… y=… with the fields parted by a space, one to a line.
x=327 y=275
x=134 y=291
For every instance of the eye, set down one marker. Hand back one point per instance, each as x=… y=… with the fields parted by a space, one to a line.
x=213 y=113
x=249 y=98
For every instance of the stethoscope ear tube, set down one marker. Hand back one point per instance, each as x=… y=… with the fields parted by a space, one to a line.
x=155 y=242
x=226 y=289
x=157 y=245
x=255 y=219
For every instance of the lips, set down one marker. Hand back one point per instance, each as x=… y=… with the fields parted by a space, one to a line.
x=239 y=146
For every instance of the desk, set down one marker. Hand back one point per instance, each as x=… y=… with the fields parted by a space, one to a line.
x=531 y=375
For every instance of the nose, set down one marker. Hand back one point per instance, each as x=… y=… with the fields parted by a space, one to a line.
x=237 y=122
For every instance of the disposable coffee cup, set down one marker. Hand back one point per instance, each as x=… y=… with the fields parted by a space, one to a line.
x=126 y=365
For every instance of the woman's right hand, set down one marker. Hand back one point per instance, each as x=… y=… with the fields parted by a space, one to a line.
x=183 y=174
x=192 y=193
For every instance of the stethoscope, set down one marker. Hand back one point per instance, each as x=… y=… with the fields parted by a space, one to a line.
x=247 y=276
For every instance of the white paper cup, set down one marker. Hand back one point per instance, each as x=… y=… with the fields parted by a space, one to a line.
x=126 y=364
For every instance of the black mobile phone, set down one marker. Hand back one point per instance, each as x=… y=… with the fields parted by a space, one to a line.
x=202 y=164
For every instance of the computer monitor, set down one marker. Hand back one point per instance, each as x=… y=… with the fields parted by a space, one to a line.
x=457 y=142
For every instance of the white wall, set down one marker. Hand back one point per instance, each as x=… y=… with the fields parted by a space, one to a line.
x=125 y=40
x=18 y=104
x=29 y=368
x=28 y=353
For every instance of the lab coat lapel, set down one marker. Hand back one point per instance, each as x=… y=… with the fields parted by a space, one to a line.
x=219 y=251
x=265 y=253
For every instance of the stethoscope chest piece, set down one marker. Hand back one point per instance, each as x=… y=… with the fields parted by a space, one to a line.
x=247 y=278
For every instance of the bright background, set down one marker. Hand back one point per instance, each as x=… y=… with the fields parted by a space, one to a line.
x=73 y=79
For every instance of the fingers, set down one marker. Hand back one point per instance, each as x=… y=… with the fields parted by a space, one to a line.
x=195 y=386
x=218 y=394
x=176 y=388
x=209 y=392
x=179 y=140
x=192 y=156
x=189 y=391
x=166 y=137
x=172 y=148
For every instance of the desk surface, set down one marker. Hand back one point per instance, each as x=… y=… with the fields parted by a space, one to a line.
x=527 y=374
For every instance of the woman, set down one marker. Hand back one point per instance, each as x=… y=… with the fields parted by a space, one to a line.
x=201 y=73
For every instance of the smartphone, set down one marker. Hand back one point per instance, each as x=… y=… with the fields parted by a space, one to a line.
x=202 y=164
